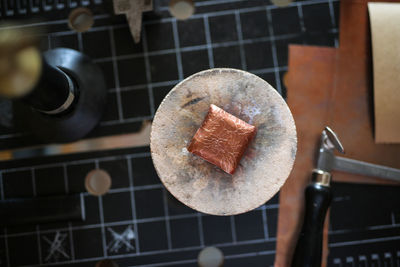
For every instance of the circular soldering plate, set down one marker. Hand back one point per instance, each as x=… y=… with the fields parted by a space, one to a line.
x=265 y=165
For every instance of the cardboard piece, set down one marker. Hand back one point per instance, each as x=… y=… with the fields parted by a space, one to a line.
x=385 y=35
x=352 y=111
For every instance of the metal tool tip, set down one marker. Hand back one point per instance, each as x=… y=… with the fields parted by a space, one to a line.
x=334 y=139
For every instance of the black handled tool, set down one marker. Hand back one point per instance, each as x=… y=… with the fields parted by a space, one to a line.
x=17 y=211
x=318 y=197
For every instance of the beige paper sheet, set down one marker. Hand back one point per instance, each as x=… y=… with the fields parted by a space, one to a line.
x=385 y=35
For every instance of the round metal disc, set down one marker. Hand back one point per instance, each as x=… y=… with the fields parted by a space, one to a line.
x=265 y=165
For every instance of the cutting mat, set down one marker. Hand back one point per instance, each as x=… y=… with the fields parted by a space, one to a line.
x=364 y=225
x=249 y=35
x=136 y=223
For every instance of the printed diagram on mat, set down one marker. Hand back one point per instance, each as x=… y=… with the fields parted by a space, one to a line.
x=121 y=240
x=57 y=247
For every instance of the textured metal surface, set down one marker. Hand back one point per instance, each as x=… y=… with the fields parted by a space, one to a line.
x=329 y=143
x=327 y=161
x=265 y=165
x=222 y=139
x=365 y=168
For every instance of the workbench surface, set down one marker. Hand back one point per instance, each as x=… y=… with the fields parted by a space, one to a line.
x=138 y=222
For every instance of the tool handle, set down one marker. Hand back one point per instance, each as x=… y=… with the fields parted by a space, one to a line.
x=18 y=211
x=309 y=246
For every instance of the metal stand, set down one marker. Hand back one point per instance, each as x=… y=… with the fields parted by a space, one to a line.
x=82 y=115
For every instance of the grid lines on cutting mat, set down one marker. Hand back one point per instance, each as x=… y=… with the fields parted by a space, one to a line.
x=133 y=98
x=364 y=236
x=123 y=167
x=134 y=74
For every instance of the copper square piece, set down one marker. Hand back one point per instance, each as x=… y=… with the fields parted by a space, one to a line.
x=222 y=139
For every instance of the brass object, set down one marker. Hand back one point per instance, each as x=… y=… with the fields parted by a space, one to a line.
x=80 y=19
x=98 y=182
x=20 y=62
x=321 y=177
x=181 y=9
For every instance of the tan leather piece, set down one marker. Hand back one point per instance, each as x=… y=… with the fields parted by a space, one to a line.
x=315 y=68
x=328 y=86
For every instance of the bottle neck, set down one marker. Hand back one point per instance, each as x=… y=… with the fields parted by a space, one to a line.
x=55 y=92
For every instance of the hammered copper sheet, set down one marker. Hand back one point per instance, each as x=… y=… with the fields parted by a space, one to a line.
x=265 y=165
x=222 y=139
